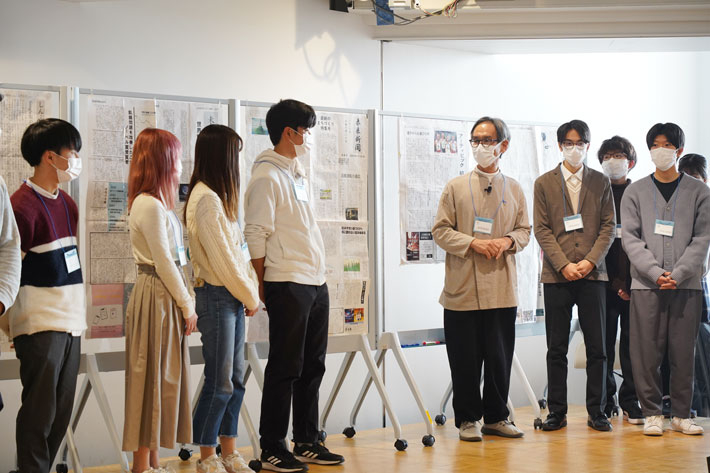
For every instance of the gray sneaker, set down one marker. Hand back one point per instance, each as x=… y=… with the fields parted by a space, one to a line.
x=504 y=428
x=470 y=431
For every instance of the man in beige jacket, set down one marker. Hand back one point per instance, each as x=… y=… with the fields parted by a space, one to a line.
x=575 y=225
x=482 y=222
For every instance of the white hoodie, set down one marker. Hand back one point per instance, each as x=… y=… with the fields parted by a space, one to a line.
x=280 y=227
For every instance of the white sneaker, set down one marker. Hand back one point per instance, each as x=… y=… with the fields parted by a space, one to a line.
x=686 y=426
x=470 y=431
x=653 y=426
x=211 y=464
x=235 y=463
x=504 y=428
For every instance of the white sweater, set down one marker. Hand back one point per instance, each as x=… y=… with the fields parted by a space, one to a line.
x=153 y=233
x=215 y=247
x=279 y=227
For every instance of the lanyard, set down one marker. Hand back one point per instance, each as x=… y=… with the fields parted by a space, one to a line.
x=290 y=177
x=656 y=191
x=51 y=220
x=470 y=188
x=564 y=196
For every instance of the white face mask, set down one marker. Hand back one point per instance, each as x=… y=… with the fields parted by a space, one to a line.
x=663 y=158
x=304 y=148
x=484 y=155
x=71 y=172
x=615 y=168
x=574 y=156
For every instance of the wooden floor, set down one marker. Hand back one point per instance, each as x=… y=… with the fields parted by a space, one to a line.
x=575 y=449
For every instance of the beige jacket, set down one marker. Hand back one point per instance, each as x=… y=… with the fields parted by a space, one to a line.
x=472 y=281
x=592 y=242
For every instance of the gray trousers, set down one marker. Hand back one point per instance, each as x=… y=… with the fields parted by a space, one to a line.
x=660 y=320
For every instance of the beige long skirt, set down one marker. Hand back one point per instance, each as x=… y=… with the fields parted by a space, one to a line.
x=157 y=368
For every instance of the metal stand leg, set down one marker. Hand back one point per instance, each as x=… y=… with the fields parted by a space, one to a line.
x=84 y=393
x=379 y=356
x=69 y=438
x=440 y=419
x=342 y=372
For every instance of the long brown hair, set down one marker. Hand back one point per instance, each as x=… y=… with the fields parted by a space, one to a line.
x=217 y=166
x=152 y=170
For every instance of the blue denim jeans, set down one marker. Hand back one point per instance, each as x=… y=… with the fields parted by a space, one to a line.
x=220 y=320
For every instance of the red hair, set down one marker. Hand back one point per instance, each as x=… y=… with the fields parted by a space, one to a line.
x=155 y=158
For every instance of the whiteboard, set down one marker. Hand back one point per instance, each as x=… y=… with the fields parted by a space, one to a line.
x=411 y=291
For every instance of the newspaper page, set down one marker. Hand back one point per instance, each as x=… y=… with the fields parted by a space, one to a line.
x=432 y=152
x=18 y=110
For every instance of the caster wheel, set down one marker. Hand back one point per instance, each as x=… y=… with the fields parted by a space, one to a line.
x=349 y=432
x=538 y=423
x=185 y=454
x=322 y=435
x=440 y=419
x=255 y=465
x=401 y=445
x=428 y=440
x=219 y=450
x=542 y=403
x=62 y=468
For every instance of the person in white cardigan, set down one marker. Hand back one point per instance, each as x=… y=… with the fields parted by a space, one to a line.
x=161 y=310
x=225 y=286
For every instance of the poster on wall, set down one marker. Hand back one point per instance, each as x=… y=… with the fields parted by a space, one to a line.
x=432 y=152
x=18 y=110
x=336 y=169
x=113 y=124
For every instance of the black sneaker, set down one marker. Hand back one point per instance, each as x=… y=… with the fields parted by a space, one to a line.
x=554 y=421
x=316 y=453
x=599 y=422
x=633 y=414
x=281 y=460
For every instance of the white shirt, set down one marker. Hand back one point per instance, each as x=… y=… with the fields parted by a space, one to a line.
x=574 y=184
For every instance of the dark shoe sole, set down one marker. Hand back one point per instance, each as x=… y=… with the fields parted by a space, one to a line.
x=548 y=428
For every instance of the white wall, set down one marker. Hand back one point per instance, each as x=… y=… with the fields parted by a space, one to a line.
x=260 y=51
x=269 y=50
x=615 y=93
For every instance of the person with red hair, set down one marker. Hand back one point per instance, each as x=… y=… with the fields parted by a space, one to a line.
x=161 y=310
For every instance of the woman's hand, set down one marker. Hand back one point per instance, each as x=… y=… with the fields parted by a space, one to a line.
x=191 y=324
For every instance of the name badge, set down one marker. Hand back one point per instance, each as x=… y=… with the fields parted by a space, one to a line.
x=300 y=191
x=664 y=227
x=618 y=231
x=245 y=252
x=573 y=222
x=182 y=256
x=483 y=225
x=71 y=258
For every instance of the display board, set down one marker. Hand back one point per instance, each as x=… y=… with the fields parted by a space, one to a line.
x=109 y=124
x=420 y=155
x=337 y=172
x=22 y=106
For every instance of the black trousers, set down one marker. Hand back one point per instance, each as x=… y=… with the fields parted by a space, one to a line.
x=590 y=298
x=475 y=338
x=49 y=365
x=298 y=338
x=617 y=308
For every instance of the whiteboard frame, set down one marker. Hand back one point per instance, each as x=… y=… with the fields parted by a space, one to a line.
x=342 y=343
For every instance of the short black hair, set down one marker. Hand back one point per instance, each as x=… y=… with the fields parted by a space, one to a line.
x=50 y=134
x=694 y=164
x=502 y=132
x=614 y=144
x=577 y=125
x=288 y=113
x=673 y=133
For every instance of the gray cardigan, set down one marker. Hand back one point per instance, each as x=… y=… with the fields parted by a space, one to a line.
x=685 y=254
